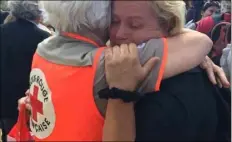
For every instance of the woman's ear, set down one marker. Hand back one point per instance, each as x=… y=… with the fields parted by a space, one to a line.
x=202 y=13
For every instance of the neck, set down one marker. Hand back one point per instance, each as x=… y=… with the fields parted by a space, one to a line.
x=95 y=38
x=96 y=35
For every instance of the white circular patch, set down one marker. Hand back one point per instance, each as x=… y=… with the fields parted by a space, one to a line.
x=42 y=120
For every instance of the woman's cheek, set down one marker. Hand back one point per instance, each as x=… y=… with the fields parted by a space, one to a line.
x=113 y=32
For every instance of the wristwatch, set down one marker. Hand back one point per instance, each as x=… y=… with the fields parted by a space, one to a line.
x=115 y=93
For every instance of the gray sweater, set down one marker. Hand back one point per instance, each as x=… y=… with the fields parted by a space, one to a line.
x=225 y=61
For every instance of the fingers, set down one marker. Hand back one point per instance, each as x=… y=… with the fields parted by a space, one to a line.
x=116 y=52
x=21 y=101
x=26 y=101
x=221 y=76
x=124 y=50
x=112 y=56
x=10 y=139
x=219 y=82
x=215 y=73
x=133 y=50
x=108 y=54
x=27 y=93
x=210 y=72
x=208 y=66
x=211 y=75
x=149 y=65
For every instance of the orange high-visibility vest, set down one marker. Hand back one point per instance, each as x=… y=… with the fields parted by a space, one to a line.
x=63 y=106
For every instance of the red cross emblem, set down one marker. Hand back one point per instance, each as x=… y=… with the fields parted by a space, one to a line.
x=37 y=106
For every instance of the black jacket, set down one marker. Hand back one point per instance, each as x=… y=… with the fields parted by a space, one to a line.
x=3 y=15
x=187 y=108
x=19 y=40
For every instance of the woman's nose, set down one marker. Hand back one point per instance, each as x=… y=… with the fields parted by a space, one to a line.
x=121 y=33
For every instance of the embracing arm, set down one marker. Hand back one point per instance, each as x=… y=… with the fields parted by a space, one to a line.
x=119 y=121
x=123 y=71
x=185 y=51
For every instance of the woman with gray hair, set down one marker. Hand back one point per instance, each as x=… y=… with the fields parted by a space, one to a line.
x=19 y=40
x=28 y=10
x=68 y=69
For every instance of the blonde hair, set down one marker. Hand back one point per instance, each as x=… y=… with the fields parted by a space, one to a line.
x=170 y=15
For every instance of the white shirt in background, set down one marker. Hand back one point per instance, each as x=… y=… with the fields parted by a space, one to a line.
x=225 y=61
x=42 y=27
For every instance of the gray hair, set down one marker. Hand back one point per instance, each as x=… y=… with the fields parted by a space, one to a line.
x=28 y=10
x=72 y=16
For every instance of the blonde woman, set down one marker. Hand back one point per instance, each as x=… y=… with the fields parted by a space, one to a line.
x=185 y=109
x=81 y=27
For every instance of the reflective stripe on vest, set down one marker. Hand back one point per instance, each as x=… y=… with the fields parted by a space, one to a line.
x=63 y=106
x=163 y=65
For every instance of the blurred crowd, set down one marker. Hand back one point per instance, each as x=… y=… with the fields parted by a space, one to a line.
x=57 y=43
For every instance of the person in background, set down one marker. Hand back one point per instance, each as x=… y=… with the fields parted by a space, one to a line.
x=40 y=24
x=194 y=12
x=19 y=40
x=206 y=24
x=210 y=8
x=188 y=4
x=9 y=18
x=216 y=27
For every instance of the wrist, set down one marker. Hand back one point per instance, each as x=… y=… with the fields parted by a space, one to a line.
x=119 y=104
x=123 y=87
x=119 y=94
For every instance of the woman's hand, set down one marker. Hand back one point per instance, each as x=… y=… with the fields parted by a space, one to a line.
x=10 y=139
x=25 y=100
x=123 y=68
x=215 y=73
x=124 y=71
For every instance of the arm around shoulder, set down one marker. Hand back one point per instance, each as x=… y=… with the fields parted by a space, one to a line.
x=186 y=51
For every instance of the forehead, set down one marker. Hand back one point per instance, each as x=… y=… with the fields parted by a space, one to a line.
x=132 y=8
